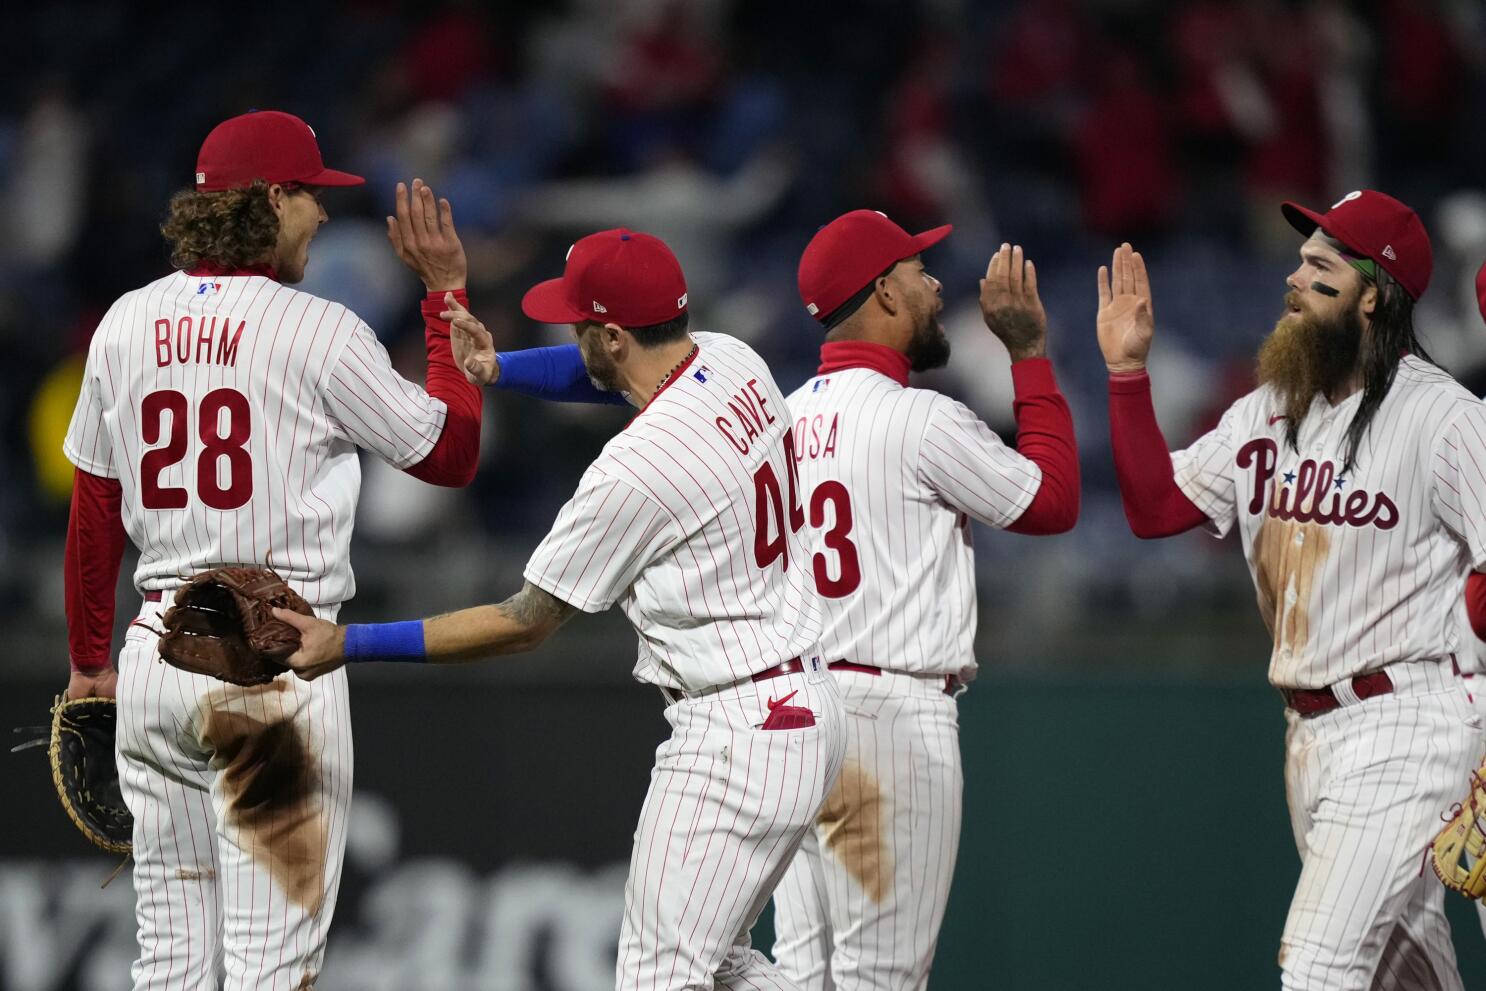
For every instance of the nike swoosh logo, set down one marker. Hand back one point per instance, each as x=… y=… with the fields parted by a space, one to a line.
x=1277 y=418
x=774 y=705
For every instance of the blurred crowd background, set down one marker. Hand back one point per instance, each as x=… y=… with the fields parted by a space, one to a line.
x=734 y=130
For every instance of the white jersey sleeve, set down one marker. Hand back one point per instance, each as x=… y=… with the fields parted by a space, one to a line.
x=376 y=408
x=1458 y=481
x=602 y=540
x=87 y=444
x=1204 y=473
x=972 y=469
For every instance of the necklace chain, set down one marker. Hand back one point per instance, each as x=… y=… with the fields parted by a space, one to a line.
x=675 y=369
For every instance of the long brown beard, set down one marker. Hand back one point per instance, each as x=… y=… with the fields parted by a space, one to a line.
x=1305 y=356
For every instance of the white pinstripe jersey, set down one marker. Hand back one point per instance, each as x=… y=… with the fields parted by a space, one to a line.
x=685 y=519
x=890 y=477
x=230 y=409
x=1354 y=570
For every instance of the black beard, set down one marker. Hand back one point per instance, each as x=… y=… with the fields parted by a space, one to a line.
x=928 y=348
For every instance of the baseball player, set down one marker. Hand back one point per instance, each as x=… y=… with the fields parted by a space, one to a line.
x=689 y=520
x=1355 y=475
x=890 y=477
x=218 y=424
x=1473 y=616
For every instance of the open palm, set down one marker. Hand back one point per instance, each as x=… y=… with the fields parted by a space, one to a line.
x=474 y=348
x=1126 y=321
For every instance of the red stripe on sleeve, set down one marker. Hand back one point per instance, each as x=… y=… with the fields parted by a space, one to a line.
x=1045 y=437
x=1154 y=505
x=95 y=548
x=456 y=454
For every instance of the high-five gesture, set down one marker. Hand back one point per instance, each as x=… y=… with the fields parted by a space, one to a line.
x=1126 y=320
x=474 y=348
x=422 y=233
x=1010 y=304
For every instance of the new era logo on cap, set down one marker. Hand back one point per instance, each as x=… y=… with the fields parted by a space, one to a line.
x=1388 y=252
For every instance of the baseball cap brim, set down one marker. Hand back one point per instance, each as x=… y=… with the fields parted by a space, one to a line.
x=1303 y=220
x=930 y=238
x=547 y=302
x=333 y=177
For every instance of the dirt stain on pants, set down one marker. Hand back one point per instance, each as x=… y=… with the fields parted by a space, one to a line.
x=272 y=791
x=851 y=825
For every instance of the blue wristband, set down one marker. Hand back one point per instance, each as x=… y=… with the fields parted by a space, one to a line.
x=556 y=374
x=385 y=641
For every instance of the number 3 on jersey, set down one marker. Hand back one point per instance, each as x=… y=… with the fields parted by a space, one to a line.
x=770 y=501
x=218 y=441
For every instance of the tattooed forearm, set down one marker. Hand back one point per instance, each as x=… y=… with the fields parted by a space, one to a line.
x=514 y=626
x=534 y=607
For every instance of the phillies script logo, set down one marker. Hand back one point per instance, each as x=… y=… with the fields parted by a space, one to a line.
x=1312 y=493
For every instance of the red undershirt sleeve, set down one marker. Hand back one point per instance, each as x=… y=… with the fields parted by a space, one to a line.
x=454 y=457
x=90 y=568
x=1475 y=602
x=1045 y=437
x=1154 y=504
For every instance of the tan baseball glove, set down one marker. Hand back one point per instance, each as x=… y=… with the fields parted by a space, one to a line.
x=1456 y=854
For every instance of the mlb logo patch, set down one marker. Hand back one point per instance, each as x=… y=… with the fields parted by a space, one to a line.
x=820 y=385
x=207 y=288
x=701 y=373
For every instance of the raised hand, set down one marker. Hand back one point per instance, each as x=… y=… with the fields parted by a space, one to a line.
x=321 y=644
x=1010 y=304
x=422 y=233
x=474 y=348
x=1127 y=320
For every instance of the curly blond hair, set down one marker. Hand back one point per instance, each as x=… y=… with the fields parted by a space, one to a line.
x=233 y=228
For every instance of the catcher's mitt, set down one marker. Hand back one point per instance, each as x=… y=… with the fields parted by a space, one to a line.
x=222 y=624
x=80 y=743
x=1464 y=836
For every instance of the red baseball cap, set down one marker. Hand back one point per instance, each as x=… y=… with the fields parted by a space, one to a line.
x=1374 y=225
x=264 y=144
x=1481 y=289
x=620 y=276
x=846 y=255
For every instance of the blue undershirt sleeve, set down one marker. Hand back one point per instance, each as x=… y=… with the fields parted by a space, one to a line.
x=556 y=374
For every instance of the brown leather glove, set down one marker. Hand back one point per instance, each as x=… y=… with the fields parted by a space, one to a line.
x=222 y=625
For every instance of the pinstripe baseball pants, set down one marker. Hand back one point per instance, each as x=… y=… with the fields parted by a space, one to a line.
x=861 y=906
x=729 y=803
x=1366 y=785
x=240 y=798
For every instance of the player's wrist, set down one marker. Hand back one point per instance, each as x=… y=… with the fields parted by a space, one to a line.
x=90 y=667
x=384 y=642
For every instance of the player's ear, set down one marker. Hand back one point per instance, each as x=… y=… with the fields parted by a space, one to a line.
x=615 y=338
x=886 y=293
x=276 y=194
x=1368 y=301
